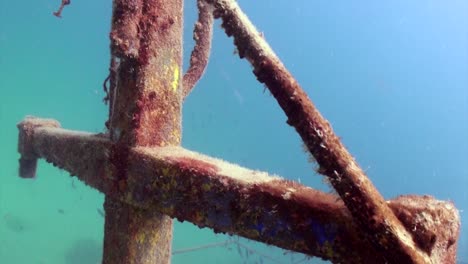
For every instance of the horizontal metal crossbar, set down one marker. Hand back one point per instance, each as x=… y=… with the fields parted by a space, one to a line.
x=228 y=198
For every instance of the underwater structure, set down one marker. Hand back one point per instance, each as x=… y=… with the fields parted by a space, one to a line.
x=148 y=178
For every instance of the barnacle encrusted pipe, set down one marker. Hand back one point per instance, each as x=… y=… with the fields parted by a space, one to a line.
x=225 y=197
x=202 y=34
x=365 y=203
x=144 y=110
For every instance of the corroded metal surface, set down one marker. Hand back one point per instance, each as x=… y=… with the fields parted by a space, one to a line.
x=148 y=178
x=228 y=198
x=362 y=199
x=144 y=110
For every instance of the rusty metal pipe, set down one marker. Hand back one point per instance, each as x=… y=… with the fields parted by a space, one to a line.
x=228 y=198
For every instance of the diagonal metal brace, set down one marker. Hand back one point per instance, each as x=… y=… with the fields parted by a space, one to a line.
x=230 y=199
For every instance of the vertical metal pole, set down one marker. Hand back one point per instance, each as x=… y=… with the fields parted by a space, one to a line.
x=145 y=110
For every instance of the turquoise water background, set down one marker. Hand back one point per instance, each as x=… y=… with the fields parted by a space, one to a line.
x=390 y=76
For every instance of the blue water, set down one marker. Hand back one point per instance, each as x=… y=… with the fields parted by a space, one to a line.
x=390 y=76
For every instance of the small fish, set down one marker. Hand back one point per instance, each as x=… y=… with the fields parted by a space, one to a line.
x=101 y=212
x=60 y=211
x=13 y=222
